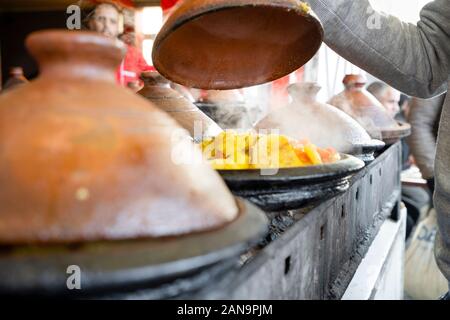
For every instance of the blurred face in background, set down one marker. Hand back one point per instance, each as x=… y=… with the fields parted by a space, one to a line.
x=405 y=107
x=105 y=20
x=390 y=98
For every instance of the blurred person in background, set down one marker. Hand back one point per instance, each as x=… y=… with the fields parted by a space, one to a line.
x=390 y=99
x=402 y=116
x=415 y=198
x=424 y=118
x=414 y=59
x=405 y=107
x=388 y=96
x=106 y=19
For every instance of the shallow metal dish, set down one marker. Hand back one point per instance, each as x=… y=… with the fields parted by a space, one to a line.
x=108 y=267
x=291 y=188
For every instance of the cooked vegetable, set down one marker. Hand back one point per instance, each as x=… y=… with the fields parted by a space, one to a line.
x=237 y=151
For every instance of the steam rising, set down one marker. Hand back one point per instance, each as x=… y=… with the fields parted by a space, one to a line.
x=321 y=124
x=366 y=118
x=227 y=108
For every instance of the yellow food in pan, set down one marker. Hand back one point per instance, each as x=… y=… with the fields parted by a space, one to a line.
x=235 y=151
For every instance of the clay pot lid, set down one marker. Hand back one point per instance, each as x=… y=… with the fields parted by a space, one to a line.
x=354 y=80
x=356 y=101
x=158 y=90
x=157 y=87
x=229 y=44
x=154 y=78
x=85 y=43
x=57 y=51
x=105 y=161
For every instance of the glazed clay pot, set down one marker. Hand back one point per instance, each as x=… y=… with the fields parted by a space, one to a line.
x=84 y=159
x=16 y=78
x=228 y=44
x=356 y=101
x=157 y=90
x=322 y=124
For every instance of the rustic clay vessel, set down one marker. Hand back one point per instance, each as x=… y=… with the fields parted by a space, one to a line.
x=320 y=123
x=16 y=78
x=84 y=159
x=227 y=44
x=157 y=89
x=185 y=92
x=356 y=101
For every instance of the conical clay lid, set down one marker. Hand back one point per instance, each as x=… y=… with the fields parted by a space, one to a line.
x=157 y=90
x=83 y=159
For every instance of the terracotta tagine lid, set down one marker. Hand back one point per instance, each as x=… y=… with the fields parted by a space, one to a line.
x=228 y=44
x=16 y=78
x=157 y=89
x=356 y=101
x=324 y=125
x=83 y=159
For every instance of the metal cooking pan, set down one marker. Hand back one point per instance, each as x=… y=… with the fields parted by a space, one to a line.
x=291 y=188
x=107 y=267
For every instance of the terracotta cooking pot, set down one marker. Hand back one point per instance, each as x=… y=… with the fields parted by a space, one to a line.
x=84 y=159
x=356 y=101
x=228 y=44
x=157 y=90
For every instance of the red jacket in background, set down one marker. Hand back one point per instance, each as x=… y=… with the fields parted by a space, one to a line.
x=131 y=67
x=167 y=4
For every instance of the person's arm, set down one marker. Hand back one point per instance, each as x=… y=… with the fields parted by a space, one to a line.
x=423 y=116
x=415 y=59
